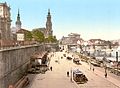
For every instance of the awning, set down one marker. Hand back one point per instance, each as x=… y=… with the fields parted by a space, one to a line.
x=38 y=55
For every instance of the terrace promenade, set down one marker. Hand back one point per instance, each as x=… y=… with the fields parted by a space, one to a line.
x=57 y=78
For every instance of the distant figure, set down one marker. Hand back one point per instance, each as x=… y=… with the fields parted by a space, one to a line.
x=106 y=75
x=90 y=67
x=93 y=69
x=67 y=73
x=51 y=68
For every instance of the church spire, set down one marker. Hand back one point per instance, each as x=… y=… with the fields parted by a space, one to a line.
x=18 y=22
x=48 y=11
x=49 y=24
x=48 y=16
x=18 y=13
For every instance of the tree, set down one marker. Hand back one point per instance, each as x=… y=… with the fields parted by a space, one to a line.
x=46 y=40
x=28 y=35
x=51 y=39
x=38 y=35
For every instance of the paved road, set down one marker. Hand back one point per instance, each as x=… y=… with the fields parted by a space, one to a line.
x=96 y=79
x=58 y=79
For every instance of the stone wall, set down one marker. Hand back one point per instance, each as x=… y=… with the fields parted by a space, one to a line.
x=13 y=63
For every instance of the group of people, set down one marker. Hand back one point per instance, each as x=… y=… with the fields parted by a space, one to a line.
x=105 y=71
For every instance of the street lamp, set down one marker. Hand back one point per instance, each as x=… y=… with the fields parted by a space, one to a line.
x=117 y=61
x=71 y=77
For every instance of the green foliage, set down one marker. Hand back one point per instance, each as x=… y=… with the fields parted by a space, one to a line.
x=46 y=40
x=51 y=39
x=38 y=35
x=28 y=35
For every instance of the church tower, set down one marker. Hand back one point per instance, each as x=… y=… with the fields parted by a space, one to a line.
x=18 y=22
x=49 y=25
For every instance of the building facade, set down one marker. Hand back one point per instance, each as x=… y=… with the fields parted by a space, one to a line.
x=71 y=39
x=5 y=22
x=70 y=42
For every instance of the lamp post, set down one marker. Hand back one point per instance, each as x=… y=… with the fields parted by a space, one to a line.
x=117 y=61
x=71 y=77
x=104 y=63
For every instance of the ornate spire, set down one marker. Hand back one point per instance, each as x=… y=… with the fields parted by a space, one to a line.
x=18 y=16
x=18 y=13
x=48 y=11
x=18 y=22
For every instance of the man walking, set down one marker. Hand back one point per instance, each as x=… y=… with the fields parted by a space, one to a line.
x=67 y=73
x=105 y=74
x=51 y=68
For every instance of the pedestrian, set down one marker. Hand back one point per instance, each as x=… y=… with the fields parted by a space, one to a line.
x=51 y=68
x=67 y=73
x=90 y=67
x=93 y=69
x=106 y=75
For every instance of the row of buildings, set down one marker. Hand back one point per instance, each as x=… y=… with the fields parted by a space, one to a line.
x=8 y=34
x=74 y=41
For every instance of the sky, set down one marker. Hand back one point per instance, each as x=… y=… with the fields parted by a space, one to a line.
x=92 y=19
